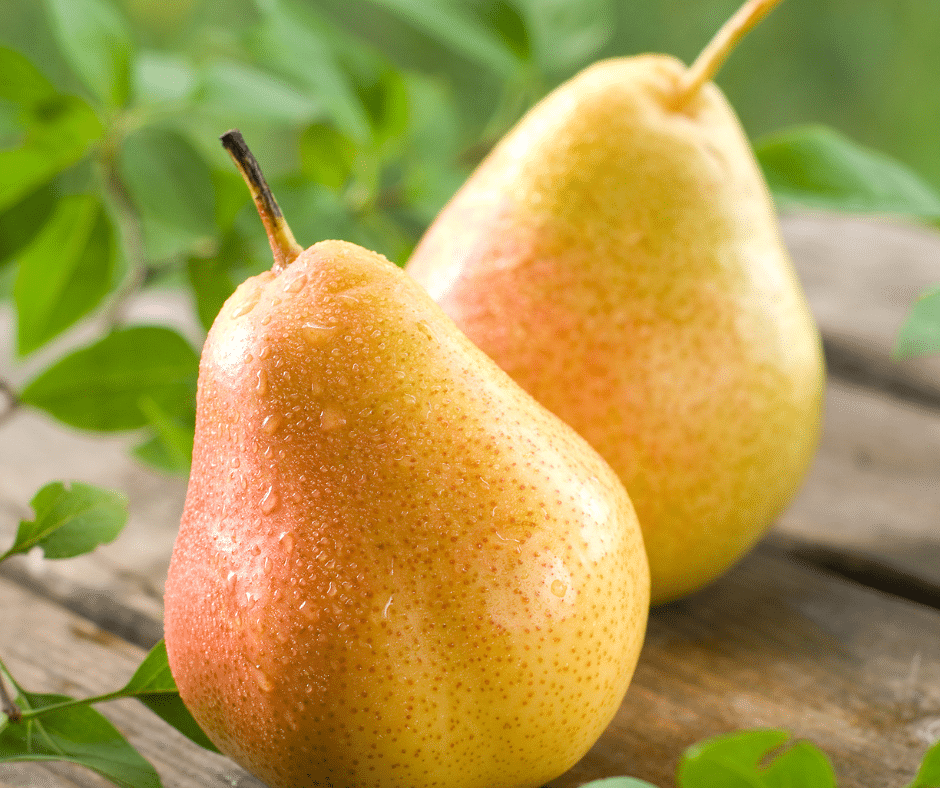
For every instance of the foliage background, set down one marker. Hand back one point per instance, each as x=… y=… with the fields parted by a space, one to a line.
x=450 y=76
x=366 y=116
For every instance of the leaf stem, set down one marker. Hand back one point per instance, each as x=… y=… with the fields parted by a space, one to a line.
x=9 y=707
x=29 y=714
x=119 y=694
x=7 y=704
x=133 y=237
x=715 y=53
x=11 y=400
x=130 y=230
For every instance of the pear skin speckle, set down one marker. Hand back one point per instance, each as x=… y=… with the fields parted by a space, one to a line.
x=622 y=261
x=427 y=579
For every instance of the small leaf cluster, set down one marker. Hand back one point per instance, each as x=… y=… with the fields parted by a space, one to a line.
x=111 y=182
x=816 y=168
x=72 y=520
x=760 y=759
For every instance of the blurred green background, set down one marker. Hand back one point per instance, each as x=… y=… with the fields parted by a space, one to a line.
x=366 y=116
x=386 y=104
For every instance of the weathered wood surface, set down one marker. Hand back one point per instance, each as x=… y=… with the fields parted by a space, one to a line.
x=774 y=643
x=771 y=644
x=861 y=278
x=873 y=493
x=49 y=649
x=35 y=450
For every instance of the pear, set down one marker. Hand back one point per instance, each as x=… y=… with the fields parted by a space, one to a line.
x=618 y=254
x=394 y=567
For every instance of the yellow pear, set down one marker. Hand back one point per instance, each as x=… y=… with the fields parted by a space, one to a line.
x=394 y=568
x=618 y=254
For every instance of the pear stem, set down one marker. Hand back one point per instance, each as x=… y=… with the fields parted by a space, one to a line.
x=706 y=65
x=283 y=244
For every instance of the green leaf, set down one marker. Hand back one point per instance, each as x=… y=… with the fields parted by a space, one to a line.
x=567 y=35
x=170 y=183
x=729 y=761
x=70 y=521
x=618 y=782
x=154 y=453
x=239 y=92
x=21 y=82
x=327 y=155
x=77 y=734
x=802 y=766
x=163 y=78
x=920 y=332
x=58 y=138
x=100 y=387
x=231 y=197
x=96 y=41
x=387 y=101
x=170 y=708
x=735 y=761
x=928 y=776
x=289 y=44
x=504 y=18
x=12 y=124
x=321 y=213
x=65 y=272
x=152 y=675
x=153 y=685
x=171 y=447
x=21 y=223
x=817 y=167
x=448 y=24
x=430 y=179
x=210 y=277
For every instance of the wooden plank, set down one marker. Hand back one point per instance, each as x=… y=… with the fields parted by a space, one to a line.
x=49 y=649
x=774 y=644
x=873 y=494
x=861 y=277
x=874 y=489
x=49 y=775
x=771 y=644
x=35 y=451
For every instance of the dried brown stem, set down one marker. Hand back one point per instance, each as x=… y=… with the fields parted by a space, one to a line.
x=283 y=244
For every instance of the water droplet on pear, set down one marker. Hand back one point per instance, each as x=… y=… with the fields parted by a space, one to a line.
x=331 y=419
x=270 y=501
x=318 y=335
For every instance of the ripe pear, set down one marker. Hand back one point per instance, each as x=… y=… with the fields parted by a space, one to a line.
x=618 y=254
x=394 y=567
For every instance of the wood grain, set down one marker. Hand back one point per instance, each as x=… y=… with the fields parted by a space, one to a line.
x=861 y=277
x=874 y=488
x=873 y=491
x=49 y=649
x=774 y=644
x=771 y=644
